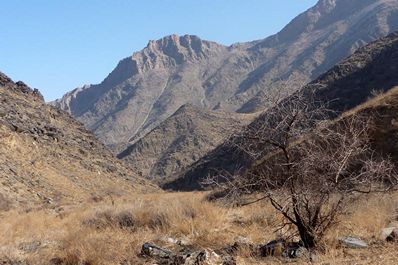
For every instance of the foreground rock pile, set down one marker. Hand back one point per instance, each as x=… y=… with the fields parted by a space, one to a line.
x=184 y=255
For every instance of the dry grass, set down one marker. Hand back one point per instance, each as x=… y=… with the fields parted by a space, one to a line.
x=106 y=233
x=378 y=99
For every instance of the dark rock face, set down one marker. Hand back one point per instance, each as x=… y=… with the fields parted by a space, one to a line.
x=345 y=86
x=47 y=158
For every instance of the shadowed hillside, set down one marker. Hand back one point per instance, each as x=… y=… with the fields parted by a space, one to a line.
x=348 y=84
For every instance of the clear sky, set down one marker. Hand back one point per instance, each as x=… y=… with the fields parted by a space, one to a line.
x=58 y=45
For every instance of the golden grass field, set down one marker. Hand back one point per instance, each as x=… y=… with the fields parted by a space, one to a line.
x=112 y=232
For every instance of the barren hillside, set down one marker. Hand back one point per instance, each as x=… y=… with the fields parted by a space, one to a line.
x=47 y=158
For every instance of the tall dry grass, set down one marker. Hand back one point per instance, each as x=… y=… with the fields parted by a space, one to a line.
x=113 y=233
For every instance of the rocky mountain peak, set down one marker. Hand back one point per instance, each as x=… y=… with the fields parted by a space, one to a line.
x=164 y=53
x=174 y=50
x=177 y=43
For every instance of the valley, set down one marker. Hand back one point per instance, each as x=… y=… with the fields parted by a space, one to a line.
x=282 y=150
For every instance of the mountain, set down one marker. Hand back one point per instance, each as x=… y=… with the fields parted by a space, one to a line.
x=371 y=70
x=180 y=140
x=146 y=88
x=139 y=96
x=47 y=158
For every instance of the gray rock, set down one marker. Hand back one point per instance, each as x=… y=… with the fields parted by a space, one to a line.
x=353 y=242
x=151 y=250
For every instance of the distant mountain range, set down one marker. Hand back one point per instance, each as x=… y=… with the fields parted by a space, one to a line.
x=141 y=96
x=48 y=159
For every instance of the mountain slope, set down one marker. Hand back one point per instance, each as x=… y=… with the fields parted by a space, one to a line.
x=47 y=158
x=181 y=140
x=148 y=87
x=373 y=68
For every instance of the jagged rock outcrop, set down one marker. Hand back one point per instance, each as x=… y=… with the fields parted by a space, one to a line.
x=180 y=140
x=372 y=69
x=47 y=158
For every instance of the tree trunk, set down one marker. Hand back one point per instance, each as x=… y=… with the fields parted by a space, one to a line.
x=308 y=238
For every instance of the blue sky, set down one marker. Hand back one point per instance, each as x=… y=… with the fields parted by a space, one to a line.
x=57 y=45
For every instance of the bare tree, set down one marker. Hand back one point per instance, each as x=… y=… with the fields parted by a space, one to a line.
x=309 y=168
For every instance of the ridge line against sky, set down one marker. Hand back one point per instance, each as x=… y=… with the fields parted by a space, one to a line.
x=56 y=46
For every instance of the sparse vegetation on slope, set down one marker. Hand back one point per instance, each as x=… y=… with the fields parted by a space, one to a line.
x=49 y=159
